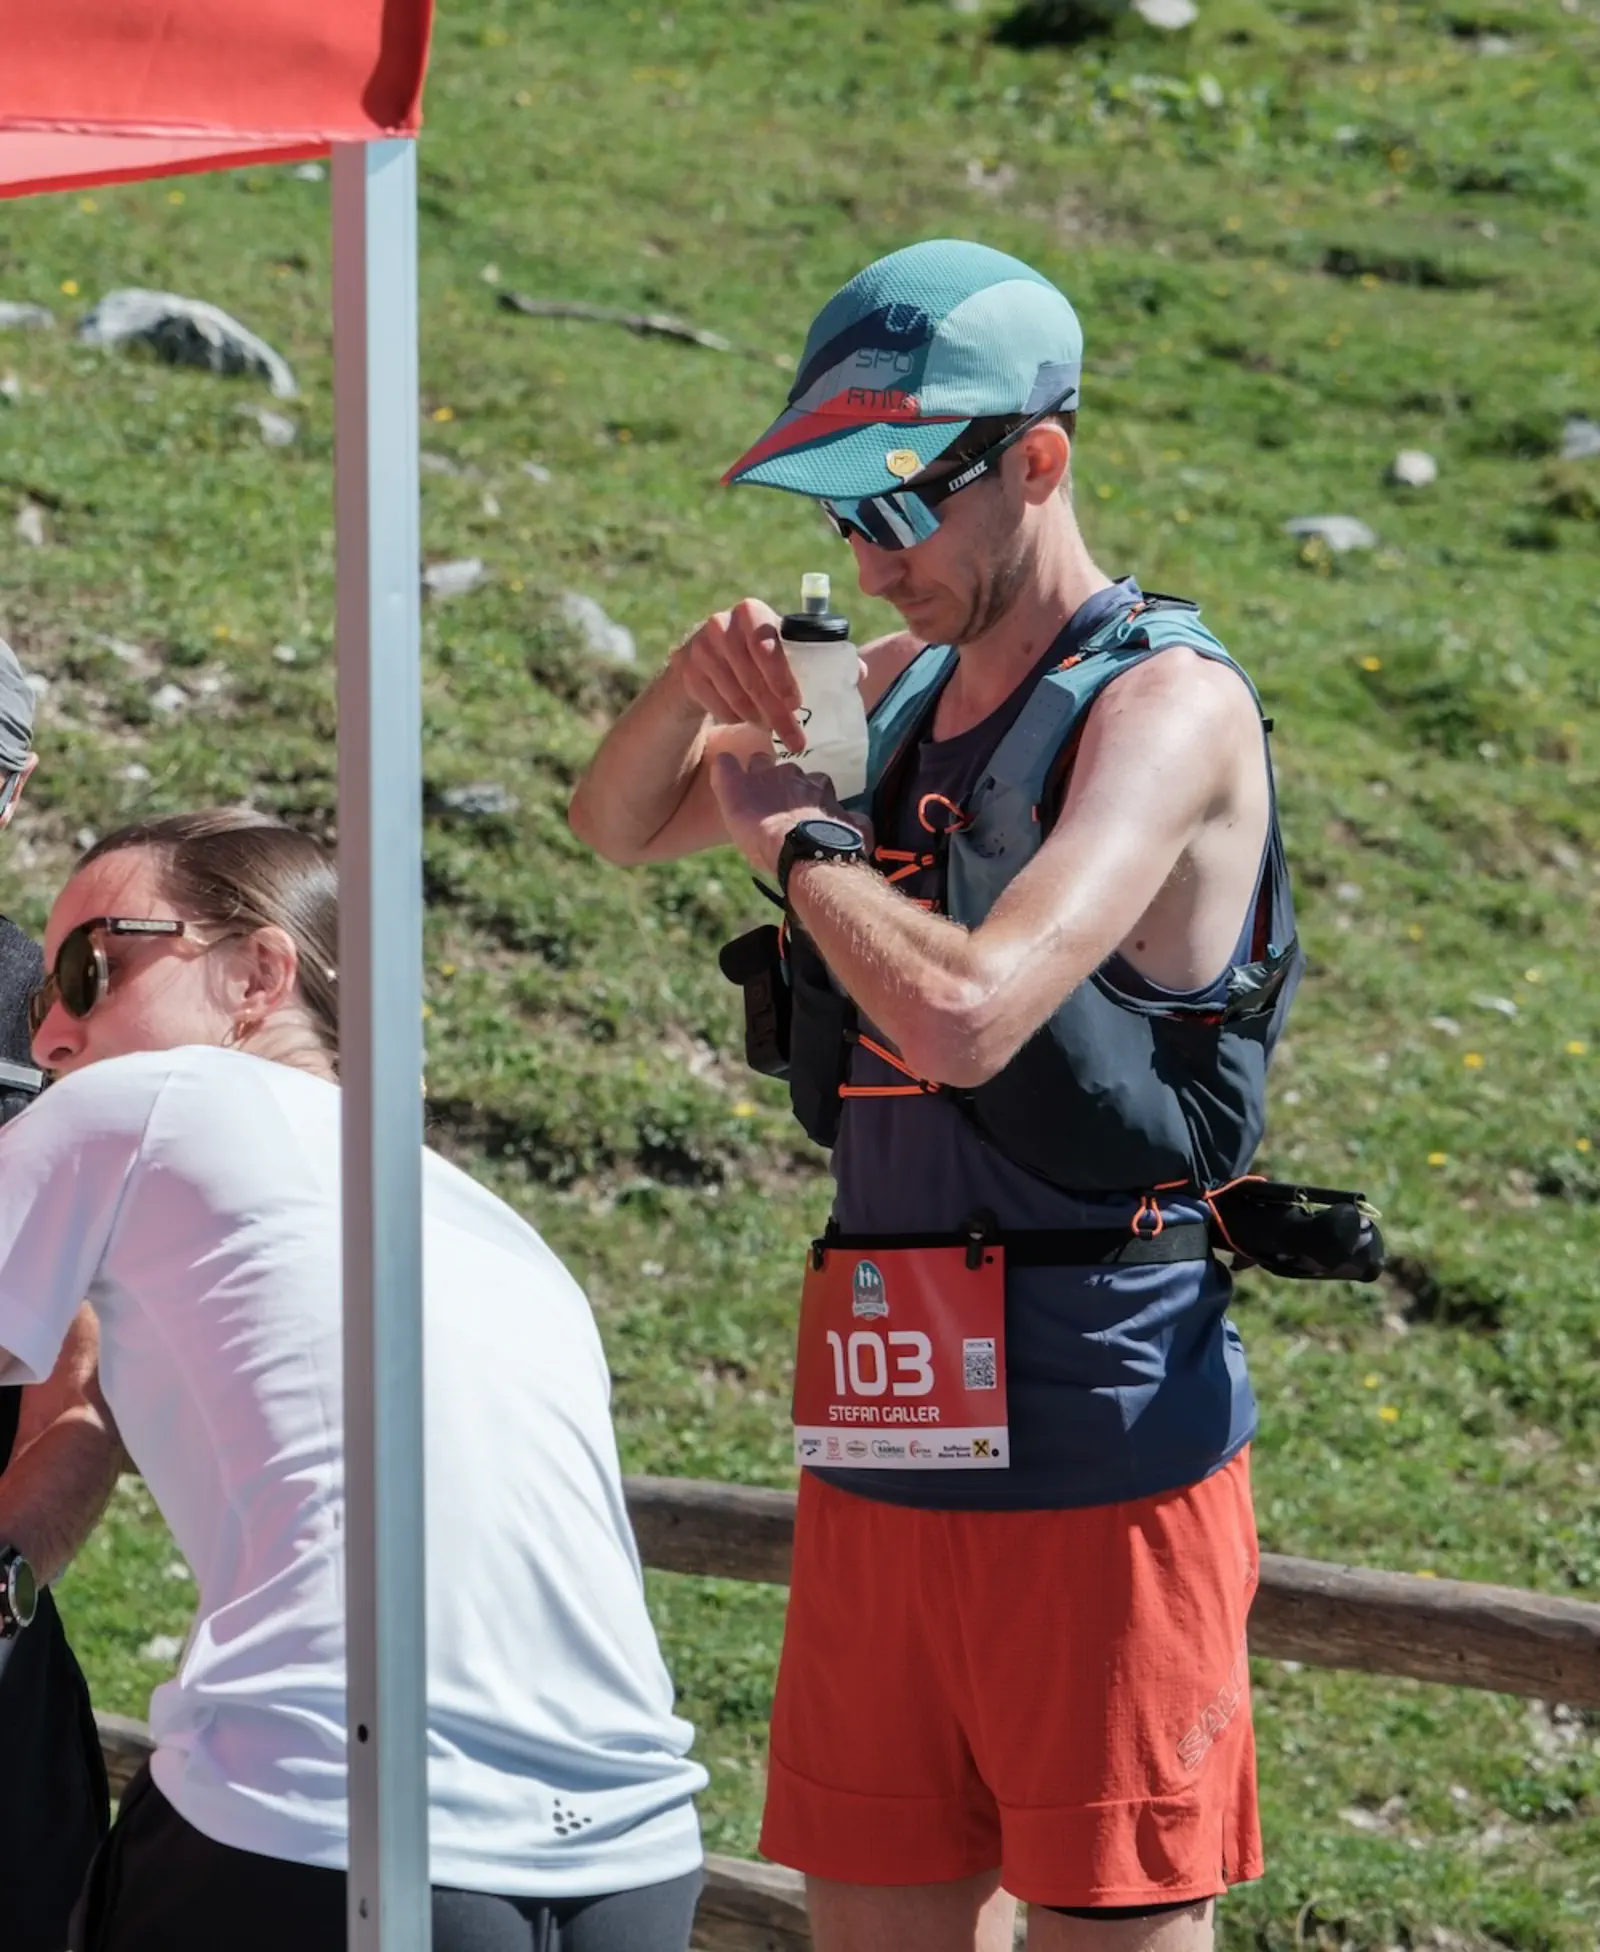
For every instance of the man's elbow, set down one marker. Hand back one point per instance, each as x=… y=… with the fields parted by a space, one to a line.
x=961 y=1040
x=582 y=819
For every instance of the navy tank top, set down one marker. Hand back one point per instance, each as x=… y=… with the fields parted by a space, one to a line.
x=1122 y=1381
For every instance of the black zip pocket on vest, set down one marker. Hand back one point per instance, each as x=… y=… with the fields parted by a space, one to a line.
x=822 y=1034
x=755 y=963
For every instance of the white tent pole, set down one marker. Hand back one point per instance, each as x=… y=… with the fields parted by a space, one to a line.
x=380 y=1008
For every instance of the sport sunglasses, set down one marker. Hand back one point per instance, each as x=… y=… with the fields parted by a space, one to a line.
x=82 y=976
x=907 y=516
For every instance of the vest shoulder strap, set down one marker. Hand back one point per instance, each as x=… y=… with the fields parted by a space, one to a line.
x=900 y=710
x=1060 y=701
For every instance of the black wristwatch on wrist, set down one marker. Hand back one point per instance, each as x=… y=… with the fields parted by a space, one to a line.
x=817 y=840
x=19 y=1593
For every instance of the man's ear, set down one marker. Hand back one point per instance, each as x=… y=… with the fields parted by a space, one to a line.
x=1047 y=458
x=24 y=774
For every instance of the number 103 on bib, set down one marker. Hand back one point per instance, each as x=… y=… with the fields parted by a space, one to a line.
x=924 y=1387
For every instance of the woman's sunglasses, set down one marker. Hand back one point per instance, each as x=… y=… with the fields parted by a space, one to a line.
x=907 y=516
x=82 y=976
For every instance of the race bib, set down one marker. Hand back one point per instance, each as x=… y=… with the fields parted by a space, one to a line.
x=901 y=1363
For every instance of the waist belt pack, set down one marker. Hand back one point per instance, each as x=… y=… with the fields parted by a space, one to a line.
x=1303 y=1233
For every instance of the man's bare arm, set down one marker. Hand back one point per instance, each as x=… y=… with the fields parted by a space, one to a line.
x=66 y=1459
x=646 y=795
x=1157 y=759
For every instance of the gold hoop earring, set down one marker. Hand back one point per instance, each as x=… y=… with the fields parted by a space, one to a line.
x=238 y=1032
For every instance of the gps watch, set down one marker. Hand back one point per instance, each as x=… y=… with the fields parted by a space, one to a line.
x=19 y=1593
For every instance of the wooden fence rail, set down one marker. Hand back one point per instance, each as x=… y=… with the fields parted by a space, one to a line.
x=1444 y=1630
x=1448 y=1630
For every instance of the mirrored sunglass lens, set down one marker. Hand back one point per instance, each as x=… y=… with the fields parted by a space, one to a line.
x=40 y=1004
x=78 y=974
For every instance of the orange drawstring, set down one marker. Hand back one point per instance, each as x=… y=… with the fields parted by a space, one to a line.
x=913 y=863
x=1210 y=1198
x=1149 y=1209
x=918 y=1088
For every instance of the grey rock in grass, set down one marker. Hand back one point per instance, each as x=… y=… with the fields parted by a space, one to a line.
x=138 y=660
x=444 y=580
x=10 y=389
x=992 y=181
x=484 y=799
x=186 y=332
x=286 y=653
x=1580 y=439
x=276 y=429
x=538 y=473
x=309 y=173
x=169 y=700
x=1169 y=15
x=163 y=1647
x=599 y=633
x=431 y=463
x=1503 y=1006
x=29 y=525
x=1413 y=467
x=19 y=317
x=1340 y=532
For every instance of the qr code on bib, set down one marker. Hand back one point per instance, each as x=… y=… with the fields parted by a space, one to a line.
x=977 y=1362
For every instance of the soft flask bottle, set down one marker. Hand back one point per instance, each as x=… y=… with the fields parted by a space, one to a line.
x=827 y=669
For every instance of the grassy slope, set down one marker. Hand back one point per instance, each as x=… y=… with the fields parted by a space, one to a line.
x=1360 y=232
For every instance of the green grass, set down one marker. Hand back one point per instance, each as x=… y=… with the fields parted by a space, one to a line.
x=1298 y=242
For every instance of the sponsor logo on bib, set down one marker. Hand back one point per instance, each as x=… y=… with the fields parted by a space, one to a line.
x=868 y=1297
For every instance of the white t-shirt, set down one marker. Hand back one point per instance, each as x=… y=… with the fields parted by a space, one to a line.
x=192 y=1196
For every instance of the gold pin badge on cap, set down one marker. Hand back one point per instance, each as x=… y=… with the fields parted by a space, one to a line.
x=903 y=463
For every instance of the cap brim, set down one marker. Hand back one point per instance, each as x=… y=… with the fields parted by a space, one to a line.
x=812 y=454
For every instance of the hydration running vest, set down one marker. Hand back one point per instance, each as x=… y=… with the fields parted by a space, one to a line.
x=1117 y=1092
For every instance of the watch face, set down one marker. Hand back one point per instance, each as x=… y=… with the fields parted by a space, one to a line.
x=24 y=1592
x=831 y=833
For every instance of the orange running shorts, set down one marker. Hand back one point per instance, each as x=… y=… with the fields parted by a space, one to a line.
x=1062 y=1694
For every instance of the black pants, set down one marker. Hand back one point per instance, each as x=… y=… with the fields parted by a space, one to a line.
x=53 y=1803
x=158 y=1885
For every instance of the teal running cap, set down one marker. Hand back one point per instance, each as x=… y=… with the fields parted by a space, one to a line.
x=903 y=359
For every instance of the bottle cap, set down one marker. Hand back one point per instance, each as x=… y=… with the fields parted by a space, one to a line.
x=815 y=592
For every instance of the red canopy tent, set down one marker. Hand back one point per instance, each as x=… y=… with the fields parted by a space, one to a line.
x=95 y=91
x=98 y=91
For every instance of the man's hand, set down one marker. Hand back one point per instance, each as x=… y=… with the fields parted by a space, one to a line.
x=761 y=801
x=734 y=669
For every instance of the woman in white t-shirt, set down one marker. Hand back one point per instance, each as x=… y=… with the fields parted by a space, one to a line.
x=183 y=1174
